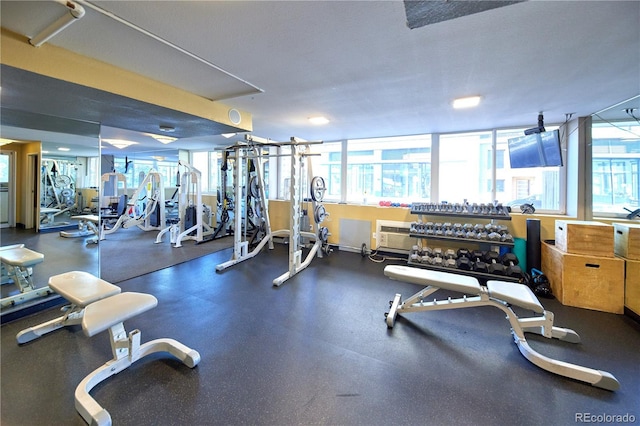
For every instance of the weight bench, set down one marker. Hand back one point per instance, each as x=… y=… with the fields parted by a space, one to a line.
x=502 y=295
x=109 y=313
x=18 y=262
x=87 y=225
x=78 y=287
x=6 y=279
x=48 y=214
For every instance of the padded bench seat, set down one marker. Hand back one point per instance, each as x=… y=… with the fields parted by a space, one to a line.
x=21 y=257
x=105 y=313
x=88 y=217
x=515 y=294
x=82 y=288
x=445 y=280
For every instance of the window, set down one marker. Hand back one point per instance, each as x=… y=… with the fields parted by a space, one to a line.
x=465 y=164
x=284 y=172
x=138 y=169
x=499 y=185
x=500 y=153
x=208 y=163
x=396 y=169
x=328 y=165
x=93 y=172
x=616 y=167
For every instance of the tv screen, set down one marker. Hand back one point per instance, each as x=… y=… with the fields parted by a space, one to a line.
x=535 y=150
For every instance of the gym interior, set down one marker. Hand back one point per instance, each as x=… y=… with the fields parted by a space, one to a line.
x=220 y=267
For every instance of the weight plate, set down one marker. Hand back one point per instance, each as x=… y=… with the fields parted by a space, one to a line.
x=66 y=192
x=324 y=234
x=62 y=181
x=318 y=188
x=254 y=189
x=320 y=213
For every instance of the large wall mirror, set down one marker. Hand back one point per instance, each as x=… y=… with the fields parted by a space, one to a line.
x=50 y=174
x=141 y=176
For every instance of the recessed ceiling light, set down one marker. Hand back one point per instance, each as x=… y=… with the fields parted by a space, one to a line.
x=228 y=135
x=318 y=120
x=162 y=139
x=468 y=102
x=167 y=129
x=63 y=149
x=120 y=143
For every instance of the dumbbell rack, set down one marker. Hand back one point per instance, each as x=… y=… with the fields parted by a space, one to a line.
x=461 y=211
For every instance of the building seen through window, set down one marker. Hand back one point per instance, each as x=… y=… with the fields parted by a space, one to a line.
x=616 y=167
x=396 y=169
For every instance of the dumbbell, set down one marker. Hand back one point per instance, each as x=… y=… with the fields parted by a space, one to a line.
x=494 y=265
x=507 y=238
x=464 y=260
x=510 y=260
x=450 y=258
x=463 y=252
x=437 y=258
x=494 y=236
x=477 y=257
x=413 y=229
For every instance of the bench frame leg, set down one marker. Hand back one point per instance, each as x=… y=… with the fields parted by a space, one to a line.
x=21 y=277
x=126 y=351
x=542 y=325
x=73 y=316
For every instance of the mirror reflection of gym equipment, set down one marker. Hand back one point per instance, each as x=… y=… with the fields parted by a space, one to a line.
x=299 y=234
x=194 y=217
x=60 y=194
x=46 y=188
x=145 y=209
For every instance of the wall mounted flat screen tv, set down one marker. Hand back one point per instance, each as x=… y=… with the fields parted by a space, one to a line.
x=535 y=150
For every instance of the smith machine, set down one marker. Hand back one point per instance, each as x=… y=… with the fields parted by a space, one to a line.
x=250 y=153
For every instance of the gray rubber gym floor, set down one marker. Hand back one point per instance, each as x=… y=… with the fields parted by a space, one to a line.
x=317 y=351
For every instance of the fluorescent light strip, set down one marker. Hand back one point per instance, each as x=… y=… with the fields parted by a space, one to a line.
x=318 y=120
x=468 y=102
x=119 y=143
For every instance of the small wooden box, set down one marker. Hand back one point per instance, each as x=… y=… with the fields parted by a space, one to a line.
x=627 y=240
x=584 y=237
x=590 y=282
x=632 y=285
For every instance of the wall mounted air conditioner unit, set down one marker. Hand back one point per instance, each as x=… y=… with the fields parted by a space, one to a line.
x=393 y=236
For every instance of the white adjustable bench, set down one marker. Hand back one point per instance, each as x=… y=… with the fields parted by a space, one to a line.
x=87 y=225
x=48 y=214
x=100 y=306
x=18 y=262
x=502 y=295
x=78 y=287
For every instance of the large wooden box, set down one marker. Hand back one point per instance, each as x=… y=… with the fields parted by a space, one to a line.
x=584 y=237
x=627 y=240
x=591 y=282
x=632 y=286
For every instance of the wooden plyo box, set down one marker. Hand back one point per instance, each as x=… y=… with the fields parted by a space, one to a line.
x=584 y=237
x=627 y=240
x=632 y=285
x=591 y=282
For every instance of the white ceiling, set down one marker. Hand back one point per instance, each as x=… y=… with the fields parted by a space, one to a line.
x=358 y=63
